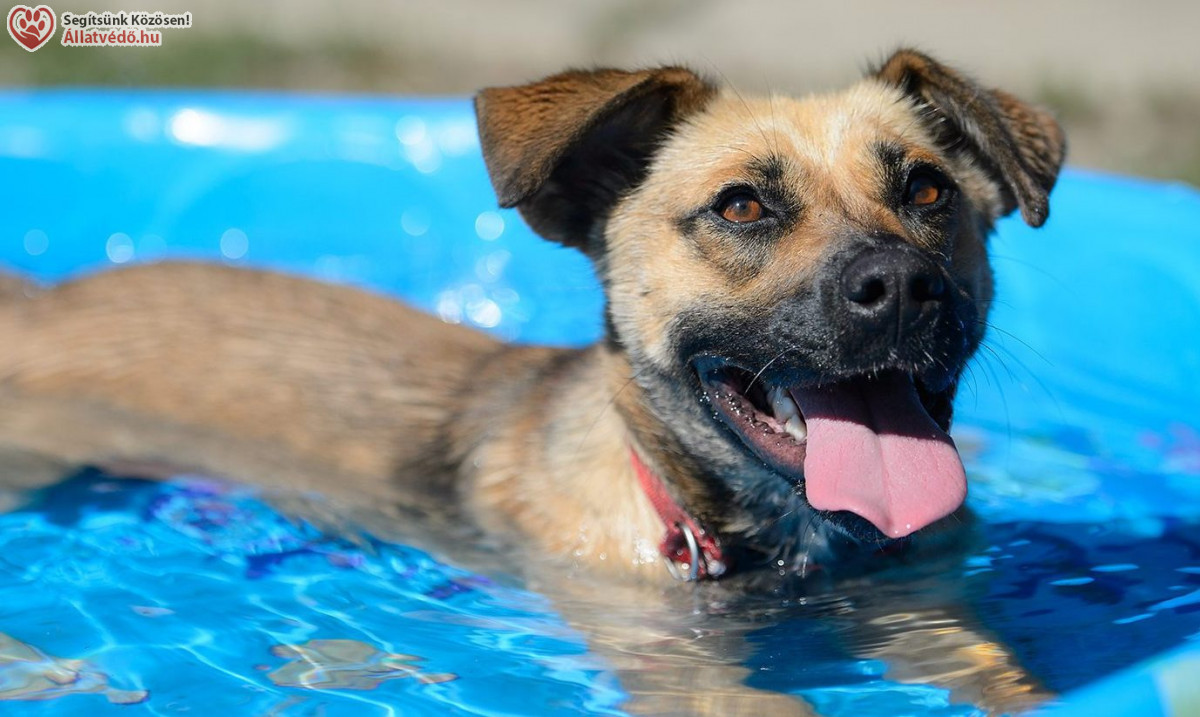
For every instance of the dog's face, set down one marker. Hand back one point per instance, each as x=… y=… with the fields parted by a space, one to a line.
x=797 y=284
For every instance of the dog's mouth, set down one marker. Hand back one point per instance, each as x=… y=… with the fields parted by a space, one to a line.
x=866 y=446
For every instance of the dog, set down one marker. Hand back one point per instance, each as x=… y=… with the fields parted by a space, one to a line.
x=794 y=287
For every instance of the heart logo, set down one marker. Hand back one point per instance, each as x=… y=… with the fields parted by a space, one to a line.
x=31 y=27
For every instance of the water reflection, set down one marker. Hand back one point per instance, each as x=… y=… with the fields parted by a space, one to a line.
x=202 y=128
x=36 y=242
x=234 y=243
x=119 y=248
x=1018 y=612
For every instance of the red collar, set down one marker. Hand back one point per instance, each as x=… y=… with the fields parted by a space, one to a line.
x=692 y=553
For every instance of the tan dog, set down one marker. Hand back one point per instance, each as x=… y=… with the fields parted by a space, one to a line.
x=794 y=287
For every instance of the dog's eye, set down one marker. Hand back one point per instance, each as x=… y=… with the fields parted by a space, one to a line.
x=740 y=208
x=926 y=188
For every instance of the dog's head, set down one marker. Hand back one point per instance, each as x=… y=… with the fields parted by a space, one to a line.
x=797 y=283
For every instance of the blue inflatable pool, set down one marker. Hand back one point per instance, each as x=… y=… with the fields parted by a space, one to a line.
x=1078 y=423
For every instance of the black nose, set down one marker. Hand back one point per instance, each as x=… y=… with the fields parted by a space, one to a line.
x=894 y=287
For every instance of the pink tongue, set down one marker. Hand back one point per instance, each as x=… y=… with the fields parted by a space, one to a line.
x=874 y=450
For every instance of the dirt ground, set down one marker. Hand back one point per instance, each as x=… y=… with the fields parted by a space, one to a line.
x=1124 y=77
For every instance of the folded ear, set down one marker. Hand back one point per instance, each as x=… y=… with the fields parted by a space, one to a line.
x=1019 y=145
x=564 y=149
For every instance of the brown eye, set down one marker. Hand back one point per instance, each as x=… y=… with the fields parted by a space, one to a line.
x=741 y=209
x=925 y=188
x=924 y=194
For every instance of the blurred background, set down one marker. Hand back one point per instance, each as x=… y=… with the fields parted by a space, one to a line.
x=1123 y=77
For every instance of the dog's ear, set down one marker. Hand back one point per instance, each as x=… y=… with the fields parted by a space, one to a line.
x=564 y=149
x=1019 y=145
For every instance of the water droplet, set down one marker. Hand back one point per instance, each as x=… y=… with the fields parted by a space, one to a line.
x=415 y=221
x=36 y=242
x=489 y=267
x=489 y=226
x=449 y=307
x=411 y=131
x=234 y=243
x=119 y=248
x=426 y=162
x=485 y=313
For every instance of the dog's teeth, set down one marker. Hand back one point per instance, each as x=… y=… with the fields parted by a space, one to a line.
x=797 y=428
x=782 y=405
x=788 y=413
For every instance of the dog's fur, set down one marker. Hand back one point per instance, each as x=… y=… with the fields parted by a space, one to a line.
x=263 y=376
x=301 y=384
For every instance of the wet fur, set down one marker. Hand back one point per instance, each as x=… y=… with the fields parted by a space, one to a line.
x=310 y=386
x=292 y=382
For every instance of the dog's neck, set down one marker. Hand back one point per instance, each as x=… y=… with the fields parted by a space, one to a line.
x=568 y=475
x=534 y=463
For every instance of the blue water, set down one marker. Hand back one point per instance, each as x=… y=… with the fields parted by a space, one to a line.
x=1077 y=422
x=179 y=594
x=182 y=593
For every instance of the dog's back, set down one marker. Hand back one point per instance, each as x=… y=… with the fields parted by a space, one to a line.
x=230 y=369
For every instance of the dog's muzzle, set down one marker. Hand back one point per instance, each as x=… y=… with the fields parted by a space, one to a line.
x=854 y=411
x=885 y=292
